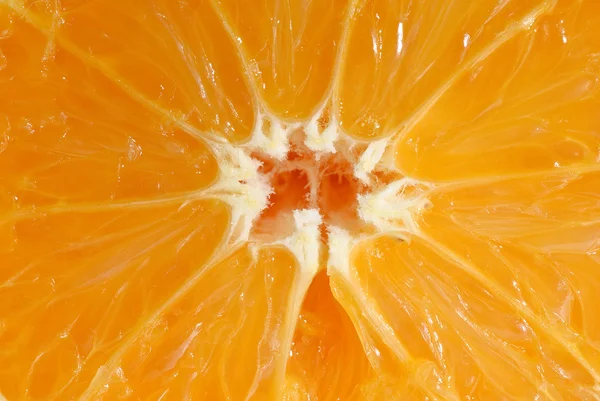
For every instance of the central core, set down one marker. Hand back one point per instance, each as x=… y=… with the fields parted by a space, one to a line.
x=305 y=180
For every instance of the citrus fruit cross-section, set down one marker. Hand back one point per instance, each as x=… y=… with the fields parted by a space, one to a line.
x=378 y=200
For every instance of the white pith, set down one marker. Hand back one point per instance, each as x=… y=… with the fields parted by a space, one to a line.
x=391 y=210
x=384 y=207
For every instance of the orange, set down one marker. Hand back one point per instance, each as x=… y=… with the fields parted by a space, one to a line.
x=299 y=200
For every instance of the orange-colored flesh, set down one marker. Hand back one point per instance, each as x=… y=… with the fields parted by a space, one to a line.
x=116 y=283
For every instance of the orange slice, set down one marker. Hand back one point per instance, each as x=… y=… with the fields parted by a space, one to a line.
x=290 y=200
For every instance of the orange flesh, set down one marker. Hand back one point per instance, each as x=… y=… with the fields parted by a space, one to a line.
x=114 y=283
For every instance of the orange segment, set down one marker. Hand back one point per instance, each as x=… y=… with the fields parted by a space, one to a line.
x=290 y=48
x=529 y=208
x=73 y=294
x=67 y=121
x=175 y=57
x=511 y=231
x=230 y=357
x=326 y=354
x=528 y=105
x=467 y=325
x=396 y=375
x=402 y=55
